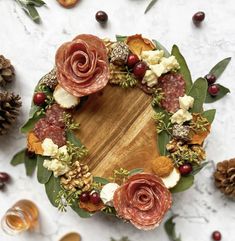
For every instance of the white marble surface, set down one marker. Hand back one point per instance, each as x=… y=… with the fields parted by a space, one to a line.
x=31 y=48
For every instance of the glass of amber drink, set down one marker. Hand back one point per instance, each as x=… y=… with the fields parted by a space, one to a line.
x=21 y=217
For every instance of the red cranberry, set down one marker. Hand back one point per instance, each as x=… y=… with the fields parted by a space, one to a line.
x=216 y=235
x=140 y=70
x=211 y=78
x=4 y=177
x=213 y=89
x=39 y=98
x=132 y=60
x=95 y=198
x=101 y=17
x=198 y=17
x=30 y=154
x=185 y=169
x=85 y=197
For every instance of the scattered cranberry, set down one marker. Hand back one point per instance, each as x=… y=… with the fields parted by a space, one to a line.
x=132 y=60
x=4 y=177
x=198 y=17
x=101 y=17
x=2 y=185
x=95 y=198
x=216 y=235
x=39 y=98
x=140 y=70
x=185 y=169
x=213 y=90
x=211 y=78
x=85 y=197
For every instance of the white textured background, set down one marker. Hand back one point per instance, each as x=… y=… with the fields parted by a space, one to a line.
x=31 y=48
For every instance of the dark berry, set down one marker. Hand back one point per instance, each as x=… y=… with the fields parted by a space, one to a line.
x=213 y=89
x=211 y=78
x=101 y=17
x=85 y=197
x=39 y=98
x=132 y=60
x=2 y=185
x=140 y=70
x=198 y=17
x=4 y=177
x=216 y=235
x=95 y=198
x=185 y=169
x=30 y=154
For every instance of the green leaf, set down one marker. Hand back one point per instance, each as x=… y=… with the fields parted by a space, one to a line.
x=162 y=140
x=71 y=137
x=198 y=168
x=29 y=125
x=18 y=158
x=183 y=184
x=121 y=38
x=170 y=229
x=81 y=212
x=219 y=68
x=184 y=70
x=222 y=92
x=37 y=3
x=198 y=92
x=52 y=189
x=135 y=171
x=30 y=165
x=151 y=4
x=101 y=180
x=209 y=115
x=161 y=47
x=43 y=174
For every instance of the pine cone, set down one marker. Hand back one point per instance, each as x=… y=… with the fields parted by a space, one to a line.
x=225 y=177
x=78 y=178
x=50 y=79
x=9 y=110
x=7 y=72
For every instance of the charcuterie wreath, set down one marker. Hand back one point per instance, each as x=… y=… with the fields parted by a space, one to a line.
x=117 y=127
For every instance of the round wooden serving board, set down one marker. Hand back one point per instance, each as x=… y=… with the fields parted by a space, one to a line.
x=118 y=130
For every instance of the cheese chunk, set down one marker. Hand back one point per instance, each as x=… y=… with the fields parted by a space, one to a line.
x=181 y=116
x=186 y=102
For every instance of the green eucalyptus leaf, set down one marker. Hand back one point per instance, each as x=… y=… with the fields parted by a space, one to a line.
x=52 y=189
x=198 y=92
x=18 y=158
x=30 y=165
x=184 y=70
x=209 y=115
x=162 y=140
x=151 y=4
x=32 y=12
x=184 y=183
x=29 y=125
x=81 y=212
x=135 y=171
x=37 y=3
x=43 y=174
x=198 y=168
x=219 y=68
x=222 y=92
x=71 y=137
x=169 y=227
x=101 y=180
x=121 y=38
x=161 y=47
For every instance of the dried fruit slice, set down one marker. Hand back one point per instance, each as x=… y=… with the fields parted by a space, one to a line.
x=34 y=144
x=64 y=98
x=67 y=3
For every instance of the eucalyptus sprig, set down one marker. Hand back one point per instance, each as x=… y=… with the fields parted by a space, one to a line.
x=120 y=175
x=128 y=81
x=29 y=6
x=199 y=124
x=76 y=152
x=161 y=126
x=157 y=96
x=69 y=123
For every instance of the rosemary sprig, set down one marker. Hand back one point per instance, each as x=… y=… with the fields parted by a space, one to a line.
x=69 y=123
x=128 y=81
x=151 y=4
x=160 y=123
x=29 y=6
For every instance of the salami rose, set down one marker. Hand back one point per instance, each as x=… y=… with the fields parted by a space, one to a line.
x=82 y=65
x=143 y=200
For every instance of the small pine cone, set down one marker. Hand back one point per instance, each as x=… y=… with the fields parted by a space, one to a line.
x=119 y=54
x=9 y=110
x=225 y=177
x=7 y=72
x=50 y=79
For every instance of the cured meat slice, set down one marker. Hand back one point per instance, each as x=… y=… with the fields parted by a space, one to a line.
x=55 y=115
x=143 y=200
x=173 y=87
x=82 y=65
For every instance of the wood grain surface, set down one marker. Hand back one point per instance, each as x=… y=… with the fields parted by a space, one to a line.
x=118 y=130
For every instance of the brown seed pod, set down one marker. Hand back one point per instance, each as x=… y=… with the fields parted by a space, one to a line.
x=67 y=3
